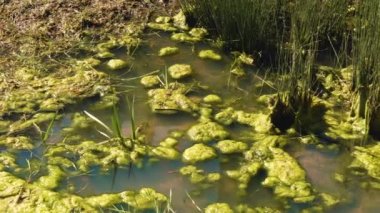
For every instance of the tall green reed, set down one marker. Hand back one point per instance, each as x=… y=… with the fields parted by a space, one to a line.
x=247 y=25
x=366 y=74
x=288 y=34
x=117 y=134
x=312 y=24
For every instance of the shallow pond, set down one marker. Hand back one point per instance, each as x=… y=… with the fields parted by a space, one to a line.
x=163 y=175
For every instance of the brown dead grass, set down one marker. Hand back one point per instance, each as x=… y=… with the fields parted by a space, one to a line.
x=33 y=32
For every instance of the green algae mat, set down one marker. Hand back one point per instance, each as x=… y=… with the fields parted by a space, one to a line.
x=167 y=122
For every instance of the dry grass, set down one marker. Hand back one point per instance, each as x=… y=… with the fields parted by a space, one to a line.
x=34 y=31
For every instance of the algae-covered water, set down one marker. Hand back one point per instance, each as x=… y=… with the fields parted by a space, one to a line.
x=318 y=178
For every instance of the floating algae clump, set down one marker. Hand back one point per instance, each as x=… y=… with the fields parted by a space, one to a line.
x=52 y=93
x=36 y=119
x=207 y=131
x=238 y=71
x=163 y=19
x=90 y=153
x=78 y=122
x=107 y=45
x=146 y=198
x=4 y=125
x=184 y=37
x=260 y=122
x=150 y=81
x=116 y=64
x=197 y=153
x=19 y=142
x=367 y=159
x=329 y=200
x=10 y=186
x=129 y=40
x=170 y=100
x=179 y=21
x=176 y=134
x=36 y=198
x=244 y=173
x=242 y=208
x=212 y=99
x=339 y=128
x=33 y=198
x=26 y=74
x=218 y=208
x=198 y=32
x=169 y=142
x=105 y=54
x=166 y=153
x=209 y=54
x=51 y=104
x=226 y=116
x=52 y=180
x=165 y=51
x=106 y=101
x=198 y=175
x=231 y=146
x=167 y=27
x=104 y=200
x=8 y=161
x=178 y=71
x=286 y=177
x=88 y=62
x=166 y=149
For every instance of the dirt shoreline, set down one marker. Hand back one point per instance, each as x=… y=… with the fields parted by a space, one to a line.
x=33 y=32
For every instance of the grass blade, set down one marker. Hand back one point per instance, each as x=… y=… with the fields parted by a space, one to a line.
x=131 y=109
x=49 y=129
x=98 y=121
x=116 y=122
x=114 y=174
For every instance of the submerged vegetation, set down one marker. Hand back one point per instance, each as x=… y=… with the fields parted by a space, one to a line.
x=207 y=130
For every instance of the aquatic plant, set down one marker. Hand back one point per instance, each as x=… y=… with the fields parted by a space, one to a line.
x=193 y=202
x=298 y=52
x=105 y=126
x=116 y=132
x=284 y=35
x=131 y=112
x=117 y=126
x=366 y=72
x=249 y=26
x=179 y=71
x=165 y=76
x=45 y=135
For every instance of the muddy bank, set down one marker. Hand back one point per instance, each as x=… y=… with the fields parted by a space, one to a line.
x=34 y=33
x=44 y=47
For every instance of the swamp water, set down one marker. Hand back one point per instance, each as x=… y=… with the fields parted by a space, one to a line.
x=209 y=77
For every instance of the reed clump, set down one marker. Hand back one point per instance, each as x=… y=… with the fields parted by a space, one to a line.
x=366 y=63
x=294 y=35
x=250 y=26
x=311 y=24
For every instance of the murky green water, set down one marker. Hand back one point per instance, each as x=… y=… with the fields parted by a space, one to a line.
x=320 y=164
